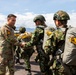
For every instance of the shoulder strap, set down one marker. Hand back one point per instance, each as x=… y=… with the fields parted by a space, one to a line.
x=66 y=32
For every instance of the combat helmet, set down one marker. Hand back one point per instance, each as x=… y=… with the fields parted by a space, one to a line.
x=22 y=29
x=39 y=17
x=61 y=15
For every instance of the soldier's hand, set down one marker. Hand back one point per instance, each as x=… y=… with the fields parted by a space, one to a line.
x=22 y=44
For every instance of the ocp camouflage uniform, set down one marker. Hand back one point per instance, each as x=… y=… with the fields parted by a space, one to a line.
x=26 y=54
x=7 y=42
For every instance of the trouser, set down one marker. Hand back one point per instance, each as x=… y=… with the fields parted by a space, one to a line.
x=70 y=69
x=27 y=62
x=67 y=69
x=26 y=56
x=17 y=57
x=18 y=54
x=59 y=68
x=9 y=64
x=43 y=63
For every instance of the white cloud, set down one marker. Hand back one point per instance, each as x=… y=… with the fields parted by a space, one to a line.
x=26 y=19
x=72 y=20
x=49 y=19
x=2 y=19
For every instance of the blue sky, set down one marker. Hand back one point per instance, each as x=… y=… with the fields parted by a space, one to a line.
x=26 y=10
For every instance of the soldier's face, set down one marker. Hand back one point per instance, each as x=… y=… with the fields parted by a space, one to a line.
x=11 y=21
x=57 y=23
x=38 y=22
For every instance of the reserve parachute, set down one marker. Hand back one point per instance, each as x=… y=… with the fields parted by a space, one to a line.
x=25 y=35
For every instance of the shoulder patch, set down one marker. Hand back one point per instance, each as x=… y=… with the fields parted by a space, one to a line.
x=48 y=32
x=8 y=32
x=73 y=40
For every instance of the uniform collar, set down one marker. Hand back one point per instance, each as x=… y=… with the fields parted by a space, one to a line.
x=42 y=26
x=9 y=27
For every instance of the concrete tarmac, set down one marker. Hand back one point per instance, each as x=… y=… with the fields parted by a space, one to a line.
x=35 y=70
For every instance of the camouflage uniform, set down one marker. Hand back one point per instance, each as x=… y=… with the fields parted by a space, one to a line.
x=37 y=39
x=18 y=48
x=55 y=44
x=7 y=42
x=26 y=54
x=47 y=32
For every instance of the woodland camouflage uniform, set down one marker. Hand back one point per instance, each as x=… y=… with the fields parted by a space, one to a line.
x=26 y=54
x=37 y=39
x=55 y=43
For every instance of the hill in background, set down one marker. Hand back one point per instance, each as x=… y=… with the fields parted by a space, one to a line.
x=27 y=29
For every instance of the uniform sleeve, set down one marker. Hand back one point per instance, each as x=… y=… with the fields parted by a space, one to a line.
x=35 y=37
x=71 y=34
x=9 y=36
x=54 y=42
x=50 y=44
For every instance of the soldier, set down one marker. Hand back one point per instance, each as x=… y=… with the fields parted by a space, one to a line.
x=18 y=48
x=69 y=56
x=47 y=32
x=55 y=43
x=26 y=54
x=37 y=39
x=7 y=42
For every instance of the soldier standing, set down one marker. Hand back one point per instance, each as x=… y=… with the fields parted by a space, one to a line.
x=56 y=40
x=7 y=42
x=26 y=54
x=37 y=39
x=69 y=56
x=18 y=48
